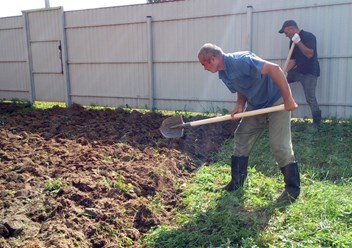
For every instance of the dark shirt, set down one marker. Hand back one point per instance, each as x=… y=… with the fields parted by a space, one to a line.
x=304 y=64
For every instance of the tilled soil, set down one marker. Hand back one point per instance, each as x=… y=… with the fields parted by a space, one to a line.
x=76 y=177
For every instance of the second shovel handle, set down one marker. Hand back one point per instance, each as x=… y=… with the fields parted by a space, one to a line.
x=288 y=57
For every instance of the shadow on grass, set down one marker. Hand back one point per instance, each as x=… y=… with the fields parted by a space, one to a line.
x=229 y=224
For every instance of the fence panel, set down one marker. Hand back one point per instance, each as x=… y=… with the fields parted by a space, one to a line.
x=108 y=53
x=14 y=76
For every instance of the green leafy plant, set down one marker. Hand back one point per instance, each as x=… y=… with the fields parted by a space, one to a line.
x=121 y=185
x=53 y=187
x=106 y=182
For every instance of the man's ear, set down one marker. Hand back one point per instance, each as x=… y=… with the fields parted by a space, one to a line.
x=212 y=59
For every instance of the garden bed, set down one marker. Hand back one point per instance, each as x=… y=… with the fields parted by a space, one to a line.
x=78 y=177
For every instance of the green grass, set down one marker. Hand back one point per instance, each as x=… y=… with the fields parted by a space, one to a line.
x=321 y=217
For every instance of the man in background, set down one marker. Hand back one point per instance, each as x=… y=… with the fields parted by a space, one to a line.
x=304 y=66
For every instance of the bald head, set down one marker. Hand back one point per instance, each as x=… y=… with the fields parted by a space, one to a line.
x=211 y=57
x=208 y=50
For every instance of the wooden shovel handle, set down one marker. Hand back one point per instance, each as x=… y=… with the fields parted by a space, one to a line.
x=239 y=115
x=288 y=57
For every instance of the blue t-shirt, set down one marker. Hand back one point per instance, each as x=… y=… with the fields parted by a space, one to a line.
x=242 y=74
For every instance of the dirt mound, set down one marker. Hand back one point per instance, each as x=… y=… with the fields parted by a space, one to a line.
x=74 y=177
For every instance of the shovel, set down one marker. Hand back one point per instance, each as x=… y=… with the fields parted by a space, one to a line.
x=173 y=127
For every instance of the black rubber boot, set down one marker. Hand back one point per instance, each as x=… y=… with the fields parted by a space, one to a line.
x=239 y=171
x=316 y=119
x=292 y=182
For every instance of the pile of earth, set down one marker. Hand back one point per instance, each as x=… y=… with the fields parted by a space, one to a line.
x=78 y=177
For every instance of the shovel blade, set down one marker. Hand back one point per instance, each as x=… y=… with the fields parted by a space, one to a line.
x=172 y=127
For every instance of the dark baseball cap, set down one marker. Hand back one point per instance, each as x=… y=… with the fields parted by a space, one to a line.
x=288 y=23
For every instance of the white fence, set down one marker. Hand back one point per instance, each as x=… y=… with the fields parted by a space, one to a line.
x=145 y=56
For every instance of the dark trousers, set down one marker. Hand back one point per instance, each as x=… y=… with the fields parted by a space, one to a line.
x=309 y=84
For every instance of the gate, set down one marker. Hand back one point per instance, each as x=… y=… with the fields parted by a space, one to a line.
x=47 y=54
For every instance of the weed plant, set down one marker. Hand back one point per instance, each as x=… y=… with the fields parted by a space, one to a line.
x=53 y=186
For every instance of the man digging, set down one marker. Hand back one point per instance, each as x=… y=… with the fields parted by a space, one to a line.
x=258 y=84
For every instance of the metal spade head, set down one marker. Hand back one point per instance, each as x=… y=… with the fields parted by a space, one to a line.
x=172 y=127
